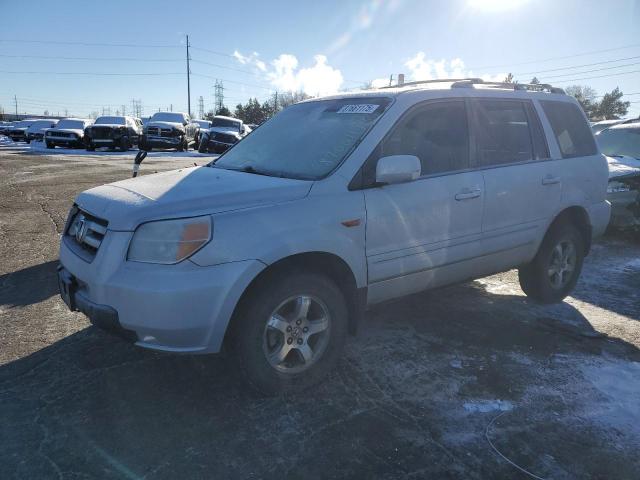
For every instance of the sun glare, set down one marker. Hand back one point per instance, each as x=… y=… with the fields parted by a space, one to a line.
x=496 y=5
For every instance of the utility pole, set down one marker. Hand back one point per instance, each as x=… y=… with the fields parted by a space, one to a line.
x=188 y=80
x=15 y=99
x=171 y=107
x=124 y=110
x=391 y=79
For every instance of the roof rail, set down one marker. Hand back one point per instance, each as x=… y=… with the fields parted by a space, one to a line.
x=435 y=80
x=529 y=87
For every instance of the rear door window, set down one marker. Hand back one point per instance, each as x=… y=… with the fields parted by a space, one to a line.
x=570 y=128
x=503 y=132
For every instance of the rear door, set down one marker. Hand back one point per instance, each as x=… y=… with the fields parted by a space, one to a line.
x=523 y=185
x=420 y=233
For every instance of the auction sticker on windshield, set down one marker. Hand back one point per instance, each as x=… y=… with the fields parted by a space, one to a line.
x=360 y=108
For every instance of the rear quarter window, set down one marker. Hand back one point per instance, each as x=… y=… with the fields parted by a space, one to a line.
x=570 y=128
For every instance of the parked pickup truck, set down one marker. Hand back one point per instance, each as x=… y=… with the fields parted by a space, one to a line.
x=119 y=131
x=169 y=130
x=69 y=132
x=36 y=129
x=224 y=133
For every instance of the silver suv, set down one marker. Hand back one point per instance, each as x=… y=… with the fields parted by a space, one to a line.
x=277 y=248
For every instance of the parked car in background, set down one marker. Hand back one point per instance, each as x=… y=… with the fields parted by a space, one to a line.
x=277 y=247
x=18 y=131
x=122 y=132
x=36 y=129
x=224 y=133
x=621 y=144
x=69 y=132
x=169 y=130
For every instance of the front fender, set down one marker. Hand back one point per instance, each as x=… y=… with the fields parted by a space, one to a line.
x=275 y=232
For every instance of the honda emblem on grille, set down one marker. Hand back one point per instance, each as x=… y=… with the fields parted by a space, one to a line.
x=81 y=229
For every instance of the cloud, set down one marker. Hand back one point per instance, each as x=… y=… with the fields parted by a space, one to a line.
x=423 y=68
x=251 y=59
x=320 y=79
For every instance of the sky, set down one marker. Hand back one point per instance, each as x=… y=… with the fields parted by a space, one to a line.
x=81 y=57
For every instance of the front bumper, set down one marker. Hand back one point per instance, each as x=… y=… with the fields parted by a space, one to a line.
x=178 y=308
x=624 y=209
x=161 y=142
x=67 y=141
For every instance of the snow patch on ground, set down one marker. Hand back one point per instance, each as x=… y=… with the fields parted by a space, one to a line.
x=484 y=406
x=618 y=406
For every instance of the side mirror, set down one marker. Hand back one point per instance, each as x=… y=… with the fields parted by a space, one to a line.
x=398 y=169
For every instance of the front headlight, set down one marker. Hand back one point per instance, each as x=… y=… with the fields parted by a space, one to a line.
x=169 y=241
x=617 y=187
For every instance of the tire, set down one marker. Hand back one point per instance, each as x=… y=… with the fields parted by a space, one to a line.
x=536 y=278
x=28 y=141
x=50 y=145
x=202 y=148
x=125 y=144
x=180 y=147
x=253 y=342
x=91 y=147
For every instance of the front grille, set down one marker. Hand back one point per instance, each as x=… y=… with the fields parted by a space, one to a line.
x=87 y=231
x=160 y=132
x=60 y=134
x=101 y=133
x=224 y=138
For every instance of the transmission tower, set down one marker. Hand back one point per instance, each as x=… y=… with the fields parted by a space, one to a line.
x=200 y=107
x=218 y=89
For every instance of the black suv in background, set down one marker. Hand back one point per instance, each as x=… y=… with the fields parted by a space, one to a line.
x=119 y=131
x=169 y=130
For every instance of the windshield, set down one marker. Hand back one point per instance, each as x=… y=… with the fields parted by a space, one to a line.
x=110 y=121
x=620 y=141
x=23 y=123
x=70 y=124
x=203 y=123
x=226 y=123
x=42 y=123
x=168 y=117
x=306 y=141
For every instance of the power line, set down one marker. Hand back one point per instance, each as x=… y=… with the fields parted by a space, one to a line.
x=115 y=74
x=100 y=59
x=594 y=70
x=597 y=76
x=593 y=52
x=87 y=44
x=213 y=52
x=232 y=81
x=576 y=66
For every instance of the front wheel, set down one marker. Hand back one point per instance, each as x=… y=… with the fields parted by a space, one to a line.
x=125 y=144
x=554 y=271
x=290 y=332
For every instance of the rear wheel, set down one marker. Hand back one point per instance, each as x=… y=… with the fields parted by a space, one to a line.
x=289 y=333
x=50 y=145
x=91 y=147
x=181 y=145
x=555 y=270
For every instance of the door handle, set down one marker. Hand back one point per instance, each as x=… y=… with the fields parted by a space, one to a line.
x=550 y=180
x=467 y=194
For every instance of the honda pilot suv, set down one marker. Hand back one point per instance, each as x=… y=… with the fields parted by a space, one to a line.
x=276 y=248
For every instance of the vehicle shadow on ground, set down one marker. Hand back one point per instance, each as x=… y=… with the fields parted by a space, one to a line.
x=30 y=285
x=91 y=403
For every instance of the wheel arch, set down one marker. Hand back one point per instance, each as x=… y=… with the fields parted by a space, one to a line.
x=324 y=263
x=579 y=217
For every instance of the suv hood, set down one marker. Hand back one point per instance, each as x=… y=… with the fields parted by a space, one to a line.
x=165 y=124
x=225 y=130
x=186 y=193
x=623 y=166
x=107 y=125
x=77 y=131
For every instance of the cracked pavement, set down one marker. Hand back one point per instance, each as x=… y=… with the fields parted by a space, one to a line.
x=453 y=383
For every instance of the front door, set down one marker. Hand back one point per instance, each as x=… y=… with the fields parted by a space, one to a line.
x=419 y=234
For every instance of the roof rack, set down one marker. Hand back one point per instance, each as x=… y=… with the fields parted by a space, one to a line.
x=470 y=82
x=435 y=80
x=529 y=87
